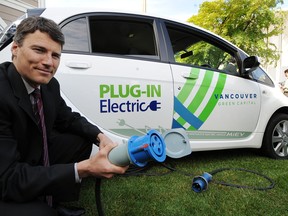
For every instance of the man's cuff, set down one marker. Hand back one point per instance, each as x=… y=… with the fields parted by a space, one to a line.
x=77 y=178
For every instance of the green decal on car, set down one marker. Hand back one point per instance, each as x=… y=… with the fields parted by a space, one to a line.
x=195 y=101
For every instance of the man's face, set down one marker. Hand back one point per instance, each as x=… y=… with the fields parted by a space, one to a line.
x=37 y=59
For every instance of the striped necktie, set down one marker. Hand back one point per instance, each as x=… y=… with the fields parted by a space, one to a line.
x=37 y=106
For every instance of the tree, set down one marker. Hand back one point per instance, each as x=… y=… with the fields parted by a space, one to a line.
x=247 y=23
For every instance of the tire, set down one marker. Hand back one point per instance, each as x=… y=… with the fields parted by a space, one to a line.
x=275 y=140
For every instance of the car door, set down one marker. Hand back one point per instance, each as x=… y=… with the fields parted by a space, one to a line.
x=111 y=72
x=211 y=99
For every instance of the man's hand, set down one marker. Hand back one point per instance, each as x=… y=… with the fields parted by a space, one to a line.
x=103 y=140
x=99 y=165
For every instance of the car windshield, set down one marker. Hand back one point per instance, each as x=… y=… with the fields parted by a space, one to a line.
x=7 y=34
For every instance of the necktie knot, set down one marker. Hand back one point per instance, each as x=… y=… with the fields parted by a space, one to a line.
x=36 y=93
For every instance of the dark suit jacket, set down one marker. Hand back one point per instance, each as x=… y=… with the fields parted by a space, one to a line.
x=22 y=177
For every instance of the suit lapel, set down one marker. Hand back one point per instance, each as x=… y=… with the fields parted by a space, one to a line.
x=24 y=102
x=20 y=91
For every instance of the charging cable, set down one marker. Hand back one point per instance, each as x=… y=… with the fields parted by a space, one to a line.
x=200 y=183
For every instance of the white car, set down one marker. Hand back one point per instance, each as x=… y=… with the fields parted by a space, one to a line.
x=129 y=73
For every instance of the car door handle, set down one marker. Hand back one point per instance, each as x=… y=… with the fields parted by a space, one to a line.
x=190 y=75
x=78 y=65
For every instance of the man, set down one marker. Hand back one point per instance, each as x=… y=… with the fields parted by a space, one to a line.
x=284 y=85
x=231 y=66
x=27 y=177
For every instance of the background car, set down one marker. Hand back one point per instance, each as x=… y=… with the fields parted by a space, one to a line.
x=129 y=73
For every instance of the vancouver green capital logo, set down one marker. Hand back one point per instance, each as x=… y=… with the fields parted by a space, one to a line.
x=195 y=102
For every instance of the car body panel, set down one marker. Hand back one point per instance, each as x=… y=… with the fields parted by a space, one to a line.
x=119 y=91
x=216 y=100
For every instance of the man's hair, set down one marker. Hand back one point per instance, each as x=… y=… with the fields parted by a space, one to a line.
x=286 y=71
x=44 y=25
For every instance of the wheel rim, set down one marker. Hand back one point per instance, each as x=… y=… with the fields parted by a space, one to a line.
x=280 y=139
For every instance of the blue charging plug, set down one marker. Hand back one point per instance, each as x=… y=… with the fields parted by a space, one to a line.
x=139 y=150
x=200 y=183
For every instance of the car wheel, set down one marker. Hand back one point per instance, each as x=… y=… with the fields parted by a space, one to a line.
x=275 y=141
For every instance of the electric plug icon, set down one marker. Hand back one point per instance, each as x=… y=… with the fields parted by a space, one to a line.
x=154 y=105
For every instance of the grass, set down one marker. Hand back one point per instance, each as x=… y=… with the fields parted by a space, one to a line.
x=164 y=192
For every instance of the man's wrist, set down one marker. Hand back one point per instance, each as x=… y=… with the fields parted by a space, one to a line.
x=83 y=169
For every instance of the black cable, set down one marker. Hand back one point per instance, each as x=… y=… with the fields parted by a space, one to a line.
x=98 y=197
x=272 y=183
x=137 y=171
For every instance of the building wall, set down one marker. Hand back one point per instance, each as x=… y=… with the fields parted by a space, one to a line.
x=281 y=41
x=12 y=9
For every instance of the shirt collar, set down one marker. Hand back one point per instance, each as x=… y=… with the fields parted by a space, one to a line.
x=29 y=88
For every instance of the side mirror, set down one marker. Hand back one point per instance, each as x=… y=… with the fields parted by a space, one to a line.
x=250 y=64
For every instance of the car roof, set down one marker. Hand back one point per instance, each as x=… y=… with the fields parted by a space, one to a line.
x=59 y=14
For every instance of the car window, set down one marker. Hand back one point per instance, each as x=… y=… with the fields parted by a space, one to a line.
x=123 y=37
x=110 y=35
x=191 y=49
x=260 y=76
x=76 y=36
